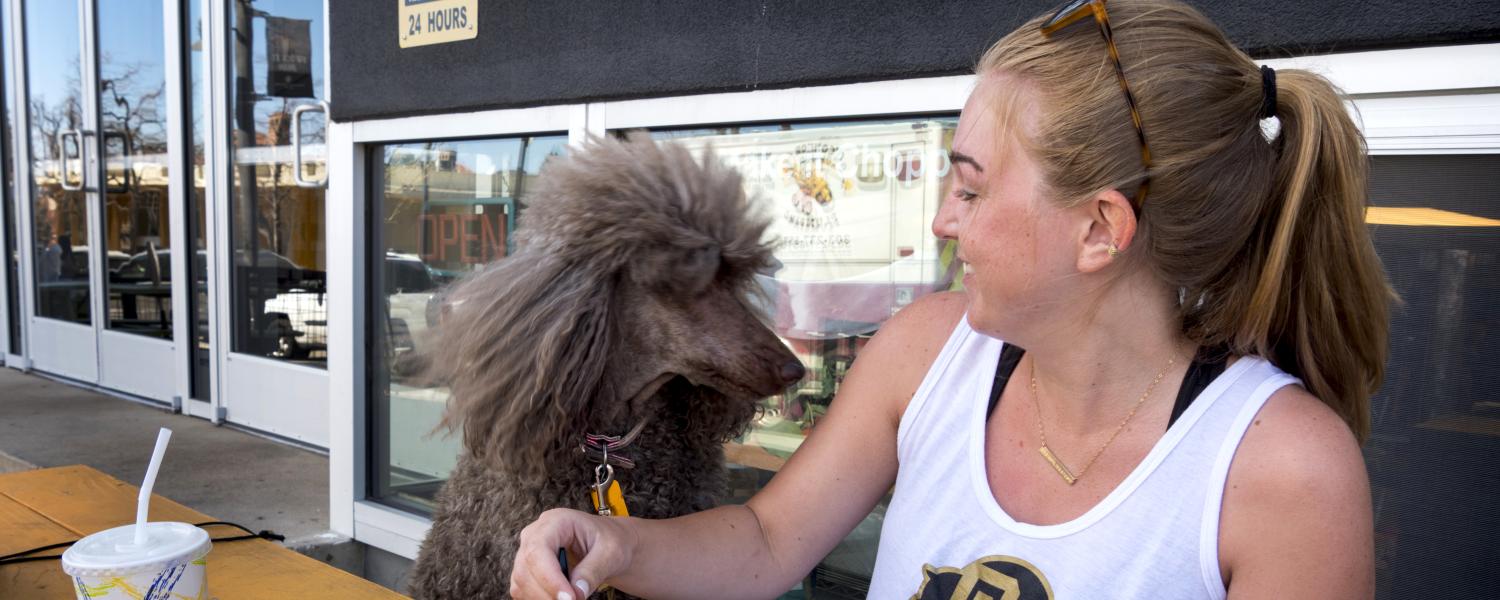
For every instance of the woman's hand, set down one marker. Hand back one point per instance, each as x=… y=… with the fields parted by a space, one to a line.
x=606 y=545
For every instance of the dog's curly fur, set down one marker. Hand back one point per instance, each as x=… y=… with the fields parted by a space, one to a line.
x=627 y=299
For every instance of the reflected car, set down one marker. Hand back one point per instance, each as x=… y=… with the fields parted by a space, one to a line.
x=144 y=267
x=410 y=286
x=77 y=264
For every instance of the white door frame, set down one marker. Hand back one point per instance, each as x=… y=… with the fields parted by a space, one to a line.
x=21 y=168
x=12 y=357
x=282 y=399
x=348 y=144
x=208 y=71
x=179 y=179
x=63 y=348
x=149 y=368
x=135 y=364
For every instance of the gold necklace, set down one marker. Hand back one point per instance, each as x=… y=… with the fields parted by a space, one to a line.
x=1057 y=463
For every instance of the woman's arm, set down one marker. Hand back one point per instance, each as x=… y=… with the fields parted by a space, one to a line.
x=1296 y=519
x=764 y=547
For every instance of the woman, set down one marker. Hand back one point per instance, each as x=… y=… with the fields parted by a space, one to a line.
x=1203 y=319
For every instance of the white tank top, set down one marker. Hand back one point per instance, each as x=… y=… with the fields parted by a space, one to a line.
x=1155 y=536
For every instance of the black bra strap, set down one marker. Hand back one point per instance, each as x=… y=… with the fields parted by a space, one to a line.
x=1207 y=365
x=1010 y=356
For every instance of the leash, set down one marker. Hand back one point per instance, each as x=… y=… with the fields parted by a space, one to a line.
x=25 y=555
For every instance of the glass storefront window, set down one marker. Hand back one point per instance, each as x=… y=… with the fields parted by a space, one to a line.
x=1435 y=423
x=279 y=266
x=852 y=204
x=445 y=208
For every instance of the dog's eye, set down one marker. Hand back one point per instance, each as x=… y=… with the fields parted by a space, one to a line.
x=700 y=267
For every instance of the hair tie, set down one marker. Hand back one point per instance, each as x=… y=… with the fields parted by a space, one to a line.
x=1268 y=92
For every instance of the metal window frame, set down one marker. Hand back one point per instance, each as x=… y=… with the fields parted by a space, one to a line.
x=10 y=356
x=1435 y=100
x=349 y=144
x=20 y=358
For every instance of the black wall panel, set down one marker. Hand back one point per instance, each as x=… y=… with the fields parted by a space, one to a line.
x=562 y=51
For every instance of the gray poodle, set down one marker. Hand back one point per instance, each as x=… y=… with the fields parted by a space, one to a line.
x=627 y=305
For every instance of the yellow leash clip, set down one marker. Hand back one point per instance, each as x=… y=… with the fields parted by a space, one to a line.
x=613 y=504
x=606 y=486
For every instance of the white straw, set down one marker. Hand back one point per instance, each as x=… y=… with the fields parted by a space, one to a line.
x=144 y=500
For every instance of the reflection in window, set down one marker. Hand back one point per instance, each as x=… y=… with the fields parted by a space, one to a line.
x=1435 y=424
x=852 y=204
x=278 y=268
x=133 y=122
x=62 y=250
x=446 y=209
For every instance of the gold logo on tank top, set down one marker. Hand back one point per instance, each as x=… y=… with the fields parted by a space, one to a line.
x=993 y=577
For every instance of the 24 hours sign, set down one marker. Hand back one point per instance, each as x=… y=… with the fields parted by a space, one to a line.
x=424 y=22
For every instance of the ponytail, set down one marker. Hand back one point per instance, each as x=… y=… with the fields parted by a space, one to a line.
x=1319 y=306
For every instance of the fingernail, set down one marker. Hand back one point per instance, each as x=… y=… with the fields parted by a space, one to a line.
x=583 y=586
x=564 y=596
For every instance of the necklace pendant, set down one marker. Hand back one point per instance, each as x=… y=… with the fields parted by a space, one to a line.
x=1057 y=465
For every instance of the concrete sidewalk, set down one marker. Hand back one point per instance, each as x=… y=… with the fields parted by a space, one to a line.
x=228 y=474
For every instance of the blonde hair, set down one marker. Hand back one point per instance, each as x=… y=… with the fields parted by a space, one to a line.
x=1265 y=239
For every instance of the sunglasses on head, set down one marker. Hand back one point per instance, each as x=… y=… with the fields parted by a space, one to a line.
x=1074 y=12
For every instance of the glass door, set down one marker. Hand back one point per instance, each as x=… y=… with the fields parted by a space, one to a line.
x=136 y=286
x=274 y=291
x=100 y=235
x=61 y=130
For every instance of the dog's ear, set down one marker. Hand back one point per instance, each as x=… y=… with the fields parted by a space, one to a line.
x=524 y=355
x=677 y=270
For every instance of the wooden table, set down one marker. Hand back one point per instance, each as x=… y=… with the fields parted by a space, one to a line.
x=47 y=506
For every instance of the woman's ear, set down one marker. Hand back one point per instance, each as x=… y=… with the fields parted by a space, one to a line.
x=1111 y=224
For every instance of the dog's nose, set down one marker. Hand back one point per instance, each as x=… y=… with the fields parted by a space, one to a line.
x=792 y=371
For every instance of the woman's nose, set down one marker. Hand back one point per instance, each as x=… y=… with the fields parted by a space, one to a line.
x=945 y=223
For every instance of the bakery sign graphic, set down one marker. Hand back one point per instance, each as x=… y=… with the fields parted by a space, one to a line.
x=815 y=178
x=848 y=200
x=424 y=22
x=838 y=200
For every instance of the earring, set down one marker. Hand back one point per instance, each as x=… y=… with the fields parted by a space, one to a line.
x=1113 y=249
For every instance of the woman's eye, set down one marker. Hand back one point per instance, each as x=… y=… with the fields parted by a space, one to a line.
x=964 y=195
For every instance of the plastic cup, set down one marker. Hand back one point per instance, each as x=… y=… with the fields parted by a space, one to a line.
x=170 y=565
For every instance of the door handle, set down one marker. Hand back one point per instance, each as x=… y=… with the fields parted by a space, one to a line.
x=315 y=106
x=62 y=159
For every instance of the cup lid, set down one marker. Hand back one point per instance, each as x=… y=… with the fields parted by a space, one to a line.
x=115 y=548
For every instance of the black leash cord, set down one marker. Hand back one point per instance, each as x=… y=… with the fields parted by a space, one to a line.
x=24 y=556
